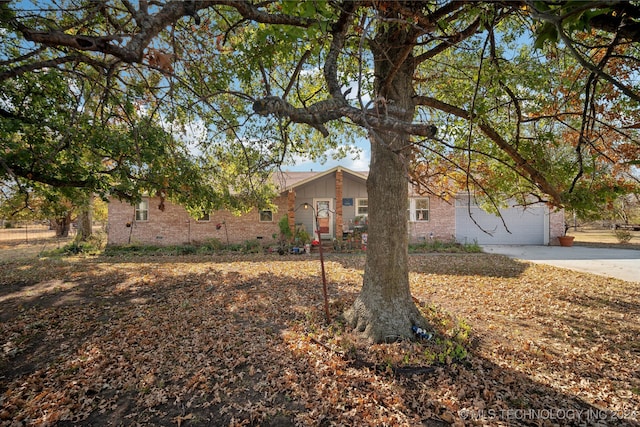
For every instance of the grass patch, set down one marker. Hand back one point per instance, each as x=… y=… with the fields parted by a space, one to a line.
x=442 y=246
x=208 y=247
x=215 y=247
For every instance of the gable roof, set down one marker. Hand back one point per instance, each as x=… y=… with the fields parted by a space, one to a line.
x=287 y=181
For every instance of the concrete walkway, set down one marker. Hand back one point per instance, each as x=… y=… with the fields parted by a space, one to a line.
x=618 y=263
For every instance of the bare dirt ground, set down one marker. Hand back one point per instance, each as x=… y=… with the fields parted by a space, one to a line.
x=242 y=340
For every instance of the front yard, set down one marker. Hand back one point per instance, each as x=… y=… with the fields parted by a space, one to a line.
x=241 y=340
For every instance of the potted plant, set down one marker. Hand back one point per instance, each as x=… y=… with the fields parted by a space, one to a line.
x=564 y=239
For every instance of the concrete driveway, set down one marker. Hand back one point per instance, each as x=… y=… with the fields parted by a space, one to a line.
x=618 y=263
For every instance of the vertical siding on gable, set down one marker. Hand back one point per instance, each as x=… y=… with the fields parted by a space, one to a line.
x=322 y=187
x=352 y=188
x=338 y=202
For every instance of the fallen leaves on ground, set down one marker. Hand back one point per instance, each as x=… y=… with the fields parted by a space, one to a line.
x=188 y=341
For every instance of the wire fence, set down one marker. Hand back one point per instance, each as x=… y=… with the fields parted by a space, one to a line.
x=18 y=232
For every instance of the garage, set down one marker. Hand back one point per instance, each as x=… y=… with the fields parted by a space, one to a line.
x=523 y=226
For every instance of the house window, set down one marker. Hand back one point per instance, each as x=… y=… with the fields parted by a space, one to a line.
x=362 y=207
x=203 y=217
x=266 y=216
x=422 y=209
x=142 y=211
x=419 y=209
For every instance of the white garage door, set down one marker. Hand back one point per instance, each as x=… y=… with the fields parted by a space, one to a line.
x=525 y=226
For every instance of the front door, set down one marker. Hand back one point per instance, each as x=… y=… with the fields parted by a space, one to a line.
x=324 y=212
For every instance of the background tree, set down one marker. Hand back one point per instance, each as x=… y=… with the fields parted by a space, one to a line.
x=528 y=109
x=447 y=93
x=80 y=126
x=43 y=203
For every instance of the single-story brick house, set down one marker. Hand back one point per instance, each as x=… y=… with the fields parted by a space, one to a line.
x=339 y=196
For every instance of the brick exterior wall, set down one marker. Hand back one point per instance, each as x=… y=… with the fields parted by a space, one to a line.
x=174 y=225
x=556 y=225
x=442 y=222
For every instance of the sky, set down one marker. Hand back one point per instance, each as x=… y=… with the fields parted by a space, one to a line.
x=355 y=164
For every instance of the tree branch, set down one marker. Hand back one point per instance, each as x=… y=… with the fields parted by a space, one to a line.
x=450 y=41
x=316 y=115
x=44 y=178
x=75 y=58
x=149 y=26
x=253 y=13
x=491 y=133
x=296 y=72
x=338 y=33
x=325 y=111
x=557 y=22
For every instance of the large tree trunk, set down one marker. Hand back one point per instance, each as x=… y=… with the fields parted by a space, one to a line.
x=85 y=227
x=384 y=310
x=63 y=224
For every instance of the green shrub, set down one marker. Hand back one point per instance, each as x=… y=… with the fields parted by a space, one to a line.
x=134 y=248
x=186 y=250
x=94 y=245
x=212 y=244
x=623 y=236
x=301 y=235
x=472 y=247
x=285 y=230
x=76 y=248
x=98 y=239
x=252 y=246
x=235 y=247
x=452 y=336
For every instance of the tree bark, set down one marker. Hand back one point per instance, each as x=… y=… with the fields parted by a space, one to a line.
x=384 y=310
x=63 y=224
x=85 y=228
